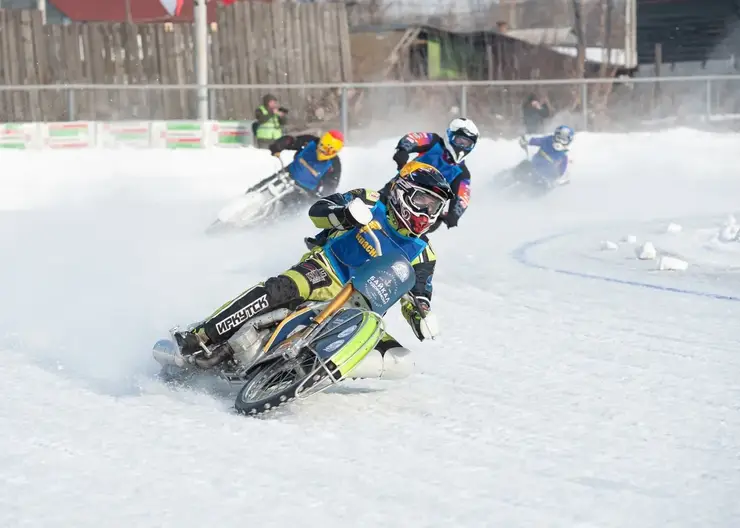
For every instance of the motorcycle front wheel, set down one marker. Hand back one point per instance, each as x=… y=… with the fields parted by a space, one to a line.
x=277 y=382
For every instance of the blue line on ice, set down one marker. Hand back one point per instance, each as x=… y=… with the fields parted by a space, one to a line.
x=520 y=254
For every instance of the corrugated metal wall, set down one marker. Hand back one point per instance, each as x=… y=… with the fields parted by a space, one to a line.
x=688 y=30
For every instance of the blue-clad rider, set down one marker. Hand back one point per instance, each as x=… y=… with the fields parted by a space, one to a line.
x=550 y=163
x=445 y=153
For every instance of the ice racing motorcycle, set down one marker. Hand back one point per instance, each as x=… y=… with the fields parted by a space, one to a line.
x=264 y=201
x=284 y=355
x=524 y=181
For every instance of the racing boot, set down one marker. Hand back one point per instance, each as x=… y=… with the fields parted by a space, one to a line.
x=387 y=361
x=191 y=341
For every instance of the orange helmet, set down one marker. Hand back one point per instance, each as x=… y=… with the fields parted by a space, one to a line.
x=329 y=145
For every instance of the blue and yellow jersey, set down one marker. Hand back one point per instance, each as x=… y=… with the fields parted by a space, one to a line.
x=347 y=247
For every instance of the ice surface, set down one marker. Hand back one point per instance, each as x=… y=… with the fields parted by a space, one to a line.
x=549 y=400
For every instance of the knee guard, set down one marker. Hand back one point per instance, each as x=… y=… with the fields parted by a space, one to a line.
x=388 y=361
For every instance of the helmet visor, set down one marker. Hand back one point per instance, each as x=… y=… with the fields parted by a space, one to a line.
x=462 y=141
x=426 y=202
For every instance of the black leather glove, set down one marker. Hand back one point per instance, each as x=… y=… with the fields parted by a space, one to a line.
x=401 y=157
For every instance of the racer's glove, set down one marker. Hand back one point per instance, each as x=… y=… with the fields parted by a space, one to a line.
x=357 y=213
x=523 y=142
x=420 y=317
x=401 y=157
x=453 y=215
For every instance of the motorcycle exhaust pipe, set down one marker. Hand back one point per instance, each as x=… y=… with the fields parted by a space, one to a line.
x=166 y=353
x=215 y=359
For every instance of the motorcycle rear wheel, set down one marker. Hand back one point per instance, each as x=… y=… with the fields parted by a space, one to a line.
x=277 y=382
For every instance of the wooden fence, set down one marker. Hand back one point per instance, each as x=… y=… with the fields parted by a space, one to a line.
x=252 y=43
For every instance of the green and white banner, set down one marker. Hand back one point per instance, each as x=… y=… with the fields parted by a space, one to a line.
x=232 y=133
x=126 y=134
x=182 y=134
x=78 y=134
x=18 y=136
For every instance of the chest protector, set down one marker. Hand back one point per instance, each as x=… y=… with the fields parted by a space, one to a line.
x=434 y=157
x=351 y=249
x=548 y=159
x=306 y=169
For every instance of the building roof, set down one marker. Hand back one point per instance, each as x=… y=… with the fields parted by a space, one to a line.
x=136 y=11
x=554 y=36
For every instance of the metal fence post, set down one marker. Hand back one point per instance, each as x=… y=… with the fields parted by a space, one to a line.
x=344 y=111
x=464 y=101
x=709 y=99
x=584 y=104
x=71 y=106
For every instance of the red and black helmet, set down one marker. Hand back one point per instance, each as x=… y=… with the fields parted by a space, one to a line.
x=418 y=196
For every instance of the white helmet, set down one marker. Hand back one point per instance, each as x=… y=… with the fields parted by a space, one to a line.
x=461 y=137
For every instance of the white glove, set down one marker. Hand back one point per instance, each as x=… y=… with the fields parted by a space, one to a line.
x=358 y=213
x=423 y=322
x=429 y=326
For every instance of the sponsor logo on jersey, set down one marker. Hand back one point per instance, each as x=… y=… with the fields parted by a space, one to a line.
x=364 y=243
x=316 y=276
x=376 y=284
x=401 y=270
x=463 y=193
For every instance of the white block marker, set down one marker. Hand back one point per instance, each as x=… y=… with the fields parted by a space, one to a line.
x=646 y=251
x=674 y=228
x=729 y=233
x=608 y=245
x=672 y=264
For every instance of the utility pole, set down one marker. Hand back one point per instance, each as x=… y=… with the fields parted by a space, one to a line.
x=201 y=56
x=42 y=8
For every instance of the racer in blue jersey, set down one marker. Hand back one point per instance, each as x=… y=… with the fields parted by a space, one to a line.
x=416 y=199
x=447 y=154
x=549 y=164
x=316 y=167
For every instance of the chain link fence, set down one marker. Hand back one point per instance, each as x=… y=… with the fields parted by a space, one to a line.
x=393 y=108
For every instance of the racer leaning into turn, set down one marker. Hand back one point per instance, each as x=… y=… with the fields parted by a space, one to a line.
x=416 y=198
x=447 y=154
x=550 y=163
x=316 y=167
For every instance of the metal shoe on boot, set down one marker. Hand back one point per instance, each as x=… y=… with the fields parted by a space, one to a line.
x=189 y=343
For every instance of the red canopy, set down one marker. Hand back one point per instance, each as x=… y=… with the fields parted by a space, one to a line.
x=137 y=11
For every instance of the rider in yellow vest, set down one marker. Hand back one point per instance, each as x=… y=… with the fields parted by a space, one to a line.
x=270 y=122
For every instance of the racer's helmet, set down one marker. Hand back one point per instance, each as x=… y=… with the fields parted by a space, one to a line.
x=562 y=137
x=417 y=197
x=329 y=145
x=460 y=138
